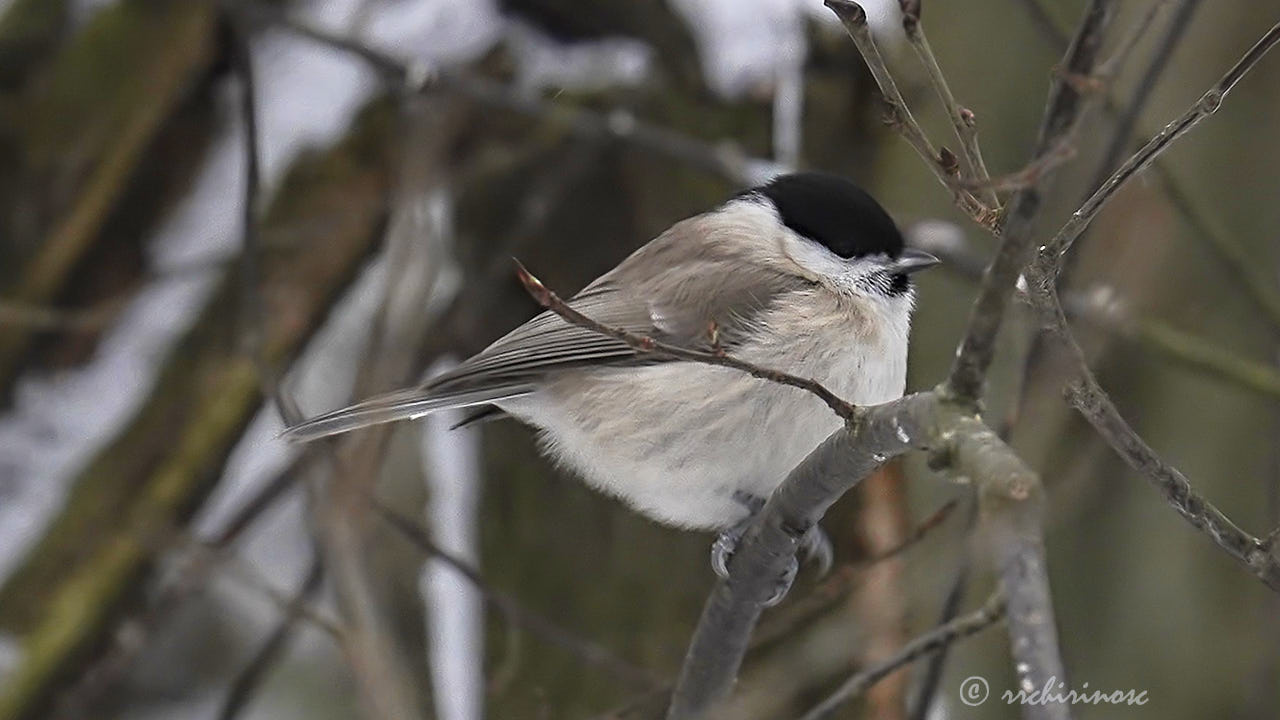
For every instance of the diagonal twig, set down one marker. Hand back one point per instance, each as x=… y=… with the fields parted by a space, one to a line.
x=1066 y=106
x=934 y=641
x=963 y=120
x=514 y=611
x=1086 y=394
x=854 y=19
x=644 y=344
x=1207 y=105
x=1259 y=287
x=246 y=682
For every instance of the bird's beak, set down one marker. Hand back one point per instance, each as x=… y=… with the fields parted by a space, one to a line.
x=912 y=260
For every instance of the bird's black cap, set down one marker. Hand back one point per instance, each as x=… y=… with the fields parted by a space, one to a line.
x=835 y=213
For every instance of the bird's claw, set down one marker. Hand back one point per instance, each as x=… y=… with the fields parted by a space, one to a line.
x=814 y=546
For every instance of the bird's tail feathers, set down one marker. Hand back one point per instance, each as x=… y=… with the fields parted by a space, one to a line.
x=393 y=406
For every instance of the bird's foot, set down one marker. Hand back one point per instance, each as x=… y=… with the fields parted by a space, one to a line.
x=814 y=546
x=727 y=542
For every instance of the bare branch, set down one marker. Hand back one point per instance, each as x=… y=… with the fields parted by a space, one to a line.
x=1029 y=175
x=643 y=344
x=963 y=444
x=1259 y=287
x=1259 y=555
x=963 y=120
x=930 y=643
x=854 y=19
x=1066 y=106
x=1088 y=397
x=1207 y=105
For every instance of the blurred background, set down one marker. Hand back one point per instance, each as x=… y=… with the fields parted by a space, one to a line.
x=163 y=555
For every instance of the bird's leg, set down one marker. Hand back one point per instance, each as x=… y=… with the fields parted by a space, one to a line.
x=815 y=545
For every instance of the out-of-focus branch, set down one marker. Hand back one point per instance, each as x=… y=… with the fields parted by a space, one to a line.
x=642 y=344
x=931 y=676
x=963 y=120
x=246 y=683
x=1067 y=104
x=513 y=610
x=161 y=50
x=68 y=593
x=1109 y=68
x=930 y=643
x=854 y=19
x=252 y=338
x=1146 y=84
x=724 y=159
x=1198 y=354
x=1104 y=309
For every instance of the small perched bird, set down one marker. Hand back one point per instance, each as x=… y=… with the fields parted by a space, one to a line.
x=806 y=274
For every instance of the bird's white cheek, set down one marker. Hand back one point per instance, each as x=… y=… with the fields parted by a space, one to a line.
x=818 y=264
x=814 y=261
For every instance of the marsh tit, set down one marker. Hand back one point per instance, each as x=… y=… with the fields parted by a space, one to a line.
x=806 y=274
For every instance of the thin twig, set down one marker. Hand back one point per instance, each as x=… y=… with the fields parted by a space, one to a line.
x=246 y=683
x=1259 y=286
x=644 y=344
x=1088 y=397
x=1207 y=105
x=923 y=528
x=1028 y=175
x=1257 y=554
x=515 y=612
x=963 y=120
x=1065 y=108
x=854 y=19
x=931 y=642
x=931 y=676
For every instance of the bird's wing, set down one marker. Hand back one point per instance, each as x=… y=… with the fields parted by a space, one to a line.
x=712 y=301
